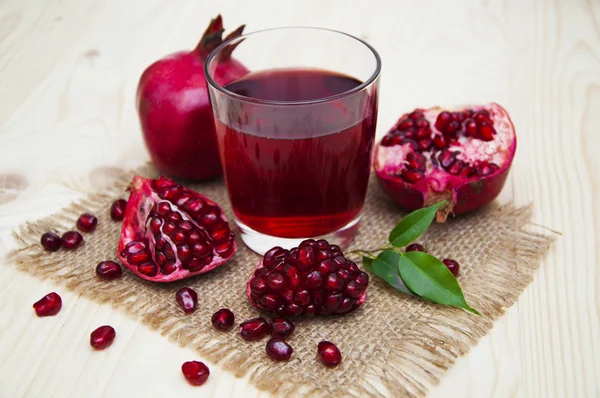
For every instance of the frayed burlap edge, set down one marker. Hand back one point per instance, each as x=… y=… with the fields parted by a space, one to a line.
x=409 y=370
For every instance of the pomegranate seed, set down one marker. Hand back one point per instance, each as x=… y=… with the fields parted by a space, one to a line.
x=255 y=329
x=467 y=172
x=423 y=133
x=422 y=123
x=117 y=209
x=223 y=319
x=306 y=256
x=302 y=297
x=425 y=145
x=486 y=132
x=313 y=280
x=443 y=119
x=87 y=222
x=109 y=270
x=71 y=240
x=471 y=128
x=362 y=278
x=440 y=142
x=412 y=176
x=452 y=265
x=278 y=350
x=50 y=241
x=487 y=169
x=225 y=249
x=459 y=116
x=102 y=337
x=282 y=328
x=446 y=158
x=405 y=124
x=416 y=114
x=415 y=161
x=271 y=301
x=329 y=354
x=452 y=128
x=195 y=372
x=481 y=117
x=276 y=281
x=270 y=255
x=49 y=305
x=334 y=282
x=415 y=247
x=148 y=269
x=354 y=289
x=187 y=299
x=456 y=167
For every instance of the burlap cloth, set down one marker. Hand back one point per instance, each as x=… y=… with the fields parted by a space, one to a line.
x=393 y=345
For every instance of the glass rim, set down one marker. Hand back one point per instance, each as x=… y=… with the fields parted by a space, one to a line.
x=353 y=90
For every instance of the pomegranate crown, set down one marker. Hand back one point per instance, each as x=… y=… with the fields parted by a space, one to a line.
x=213 y=38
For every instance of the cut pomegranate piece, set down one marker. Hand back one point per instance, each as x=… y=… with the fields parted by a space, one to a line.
x=102 y=337
x=49 y=305
x=467 y=165
x=278 y=350
x=87 y=222
x=171 y=232
x=109 y=270
x=50 y=241
x=195 y=372
x=329 y=354
x=314 y=278
x=223 y=319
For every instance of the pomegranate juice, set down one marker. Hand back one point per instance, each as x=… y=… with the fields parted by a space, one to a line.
x=296 y=169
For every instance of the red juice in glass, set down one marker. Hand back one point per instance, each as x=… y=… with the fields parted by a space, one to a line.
x=295 y=145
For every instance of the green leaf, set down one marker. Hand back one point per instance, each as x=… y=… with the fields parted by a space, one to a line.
x=413 y=225
x=429 y=278
x=385 y=266
x=368 y=263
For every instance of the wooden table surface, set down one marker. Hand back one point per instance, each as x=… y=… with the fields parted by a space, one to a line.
x=68 y=73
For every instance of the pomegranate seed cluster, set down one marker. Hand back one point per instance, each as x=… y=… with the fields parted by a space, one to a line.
x=313 y=278
x=182 y=233
x=415 y=130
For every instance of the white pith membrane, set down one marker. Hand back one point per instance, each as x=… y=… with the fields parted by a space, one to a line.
x=391 y=160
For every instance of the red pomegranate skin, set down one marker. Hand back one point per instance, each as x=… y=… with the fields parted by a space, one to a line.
x=467 y=197
x=174 y=110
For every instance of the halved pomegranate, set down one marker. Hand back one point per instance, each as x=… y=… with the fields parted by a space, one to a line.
x=170 y=232
x=460 y=156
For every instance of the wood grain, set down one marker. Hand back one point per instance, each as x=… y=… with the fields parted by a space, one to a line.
x=68 y=73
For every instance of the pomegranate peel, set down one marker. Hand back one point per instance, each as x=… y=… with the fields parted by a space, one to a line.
x=462 y=157
x=170 y=232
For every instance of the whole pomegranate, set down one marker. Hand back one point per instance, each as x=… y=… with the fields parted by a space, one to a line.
x=462 y=157
x=174 y=110
x=170 y=232
x=313 y=278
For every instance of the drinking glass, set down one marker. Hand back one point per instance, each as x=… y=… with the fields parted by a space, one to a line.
x=295 y=132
